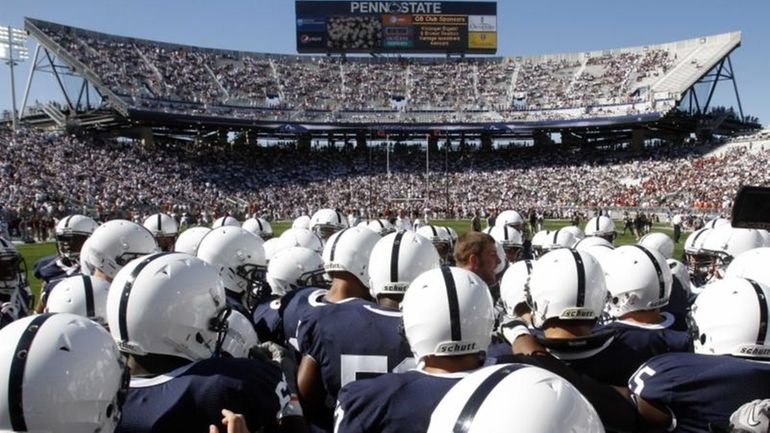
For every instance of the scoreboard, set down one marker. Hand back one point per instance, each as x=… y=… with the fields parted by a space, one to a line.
x=396 y=27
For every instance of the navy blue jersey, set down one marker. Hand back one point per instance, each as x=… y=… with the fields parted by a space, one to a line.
x=499 y=348
x=630 y=346
x=294 y=305
x=53 y=268
x=392 y=403
x=701 y=391
x=190 y=398
x=678 y=305
x=267 y=320
x=351 y=340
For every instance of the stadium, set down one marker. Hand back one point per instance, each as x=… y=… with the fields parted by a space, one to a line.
x=381 y=229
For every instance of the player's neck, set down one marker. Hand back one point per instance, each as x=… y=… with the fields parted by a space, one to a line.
x=389 y=301
x=648 y=317
x=344 y=286
x=101 y=275
x=568 y=330
x=451 y=364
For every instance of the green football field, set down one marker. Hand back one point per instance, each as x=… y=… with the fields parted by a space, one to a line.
x=33 y=252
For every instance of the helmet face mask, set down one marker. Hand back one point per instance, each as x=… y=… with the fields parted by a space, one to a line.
x=69 y=244
x=166 y=242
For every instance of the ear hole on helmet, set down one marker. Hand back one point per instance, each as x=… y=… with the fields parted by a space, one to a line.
x=615 y=300
x=702 y=339
x=199 y=338
x=65 y=348
x=110 y=408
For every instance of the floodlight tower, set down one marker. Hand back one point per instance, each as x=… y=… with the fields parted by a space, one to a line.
x=13 y=50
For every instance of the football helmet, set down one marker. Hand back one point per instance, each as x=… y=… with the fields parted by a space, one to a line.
x=240 y=337
x=301 y=238
x=62 y=373
x=753 y=264
x=538 y=240
x=164 y=229
x=381 y=226
x=510 y=218
x=272 y=247
x=168 y=304
x=638 y=278
x=511 y=240
x=114 y=244
x=81 y=295
x=729 y=317
x=326 y=222
x=601 y=226
x=15 y=297
x=448 y=311
x=698 y=264
x=188 y=240
x=679 y=273
x=440 y=238
x=717 y=222
x=301 y=222
x=558 y=239
x=397 y=259
x=659 y=242
x=590 y=241
x=239 y=257
x=225 y=221
x=259 y=226
x=532 y=400
x=576 y=232
x=295 y=268
x=513 y=287
x=71 y=232
x=566 y=284
x=724 y=243
x=348 y=251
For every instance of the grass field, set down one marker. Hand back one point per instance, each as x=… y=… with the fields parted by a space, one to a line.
x=33 y=252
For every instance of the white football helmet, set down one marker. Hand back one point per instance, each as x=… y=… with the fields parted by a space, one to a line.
x=381 y=226
x=348 y=251
x=238 y=256
x=511 y=239
x=513 y=287
x=301 y=222
x=188 y=240
x=62 y=373
x=510 y=398
x=82 y=295
x=225 y=221
x=699 y=264
x=576 y=232
x=272 y=247
x=679 y=275
x=724 y=243
x=659 y=242
x=590 y=241
x=558 y=239
x=717 y=222
x=326 y=222
x=638 y=278
x=601 y=226
x=295 y=268
x=168 y=304
x=114 y=244
x=71 y=232
x=164 y=229
x=510 y=218
x=448 y=311
x=13 y=270
x=259 y=226
x=440 y=238
x=729 y=317
x=240 y=337
x=397 y=259
x=568 y=285
x=538 y=240
x=301 y=238
x=753 y=264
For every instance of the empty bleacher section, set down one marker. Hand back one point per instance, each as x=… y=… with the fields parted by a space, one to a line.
x=139 y=74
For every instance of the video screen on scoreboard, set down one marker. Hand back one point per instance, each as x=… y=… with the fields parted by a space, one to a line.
x=396 y=26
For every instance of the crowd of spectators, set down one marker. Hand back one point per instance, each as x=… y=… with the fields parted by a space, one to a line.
x=45 y=175
x=193 y=80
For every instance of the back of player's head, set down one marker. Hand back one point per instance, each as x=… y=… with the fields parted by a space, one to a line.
x=60 y=373
x=188 y=240
x=259 y=226
x=659 y=242
x=238 y=255
x=168 y=304
x=82 y=295
x=448 y=311
x=348 y=250
x=397 y=259
x=511 y=398
x=295 y=268
x=513 y=286
x=114 y=244
x=752 y=264
x=568 y=285
x=730 y=317
x=637 y=279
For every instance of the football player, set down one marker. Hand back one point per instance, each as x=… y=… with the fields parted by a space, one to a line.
x=15 y=296
x=164 y=228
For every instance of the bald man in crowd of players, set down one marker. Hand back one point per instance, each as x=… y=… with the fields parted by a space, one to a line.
x=168 y=314
x=71 y=233
x=350 y=336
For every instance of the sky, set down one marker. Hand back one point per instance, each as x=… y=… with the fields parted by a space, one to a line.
x=524 y=28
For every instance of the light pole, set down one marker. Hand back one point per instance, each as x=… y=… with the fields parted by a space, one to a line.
x=13 y=49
